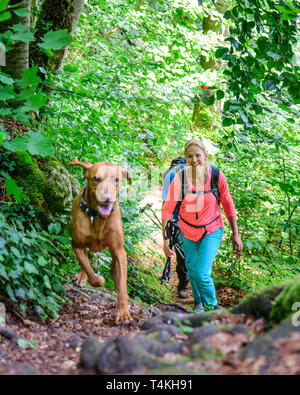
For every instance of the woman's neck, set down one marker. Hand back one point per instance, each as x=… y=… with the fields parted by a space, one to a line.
x=198 y=175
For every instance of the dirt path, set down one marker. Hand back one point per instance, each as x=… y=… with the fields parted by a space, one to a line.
x=52 y=346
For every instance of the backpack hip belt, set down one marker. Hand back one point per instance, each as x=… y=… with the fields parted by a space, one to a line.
x=199 y=226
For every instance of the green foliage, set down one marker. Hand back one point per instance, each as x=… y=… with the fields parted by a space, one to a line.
x=126 y=94
x=28 y=267
x=264 y=182
x=126 y=83
x=261 y=61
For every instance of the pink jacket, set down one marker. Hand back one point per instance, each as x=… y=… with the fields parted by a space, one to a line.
x=207 y=206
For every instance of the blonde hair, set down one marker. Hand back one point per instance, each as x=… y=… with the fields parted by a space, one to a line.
x=195 y=142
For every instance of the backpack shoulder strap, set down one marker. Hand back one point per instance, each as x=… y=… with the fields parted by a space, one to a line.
x=215 y=172
x=183 y=182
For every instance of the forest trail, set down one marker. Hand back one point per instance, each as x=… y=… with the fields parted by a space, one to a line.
x=55 y=346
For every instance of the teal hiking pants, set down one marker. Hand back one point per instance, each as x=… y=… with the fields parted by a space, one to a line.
x=199 y=257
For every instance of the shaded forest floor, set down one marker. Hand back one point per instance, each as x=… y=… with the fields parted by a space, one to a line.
x=52 y=346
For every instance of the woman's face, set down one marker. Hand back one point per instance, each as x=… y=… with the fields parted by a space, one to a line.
x=195 y=156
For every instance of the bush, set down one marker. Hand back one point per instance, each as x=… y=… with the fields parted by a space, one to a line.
x=28 y=267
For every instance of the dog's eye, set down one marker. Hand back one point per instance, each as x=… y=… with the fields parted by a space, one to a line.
x=97 y=179
x=117 y=180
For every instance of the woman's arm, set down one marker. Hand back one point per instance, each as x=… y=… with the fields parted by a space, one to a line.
x=228 y=206
x=236 y=240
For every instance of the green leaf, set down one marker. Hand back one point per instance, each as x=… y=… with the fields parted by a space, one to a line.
x=19 y=27
x=220 y=52
x=21 y=293
x=287 y=188
x=4 y=112
x=54 y=228
x=30 y=268
x=47 y=281
x=20 y=114
x=12 y=189
x=1 y=137
x=227 y=15
x=6 y=80
x=220 y=94
x=3 y=5
x=6 y=93
x=25 y=37
x=36 y=101
x=10 y=292
x=5 y=16
x=3 y=273
x=30 y=76
x=42 y=261
x=39 y=144
x=23 y=343
x=285 y=235
x=244 y=117
x=18 y=144
x=227 y=122
x=208 y=100
x=56 y=40
x=22 y=12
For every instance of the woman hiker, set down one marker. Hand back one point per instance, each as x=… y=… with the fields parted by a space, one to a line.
x=200 y=221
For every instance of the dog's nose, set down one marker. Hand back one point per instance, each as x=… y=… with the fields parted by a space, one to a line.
x=105 y=198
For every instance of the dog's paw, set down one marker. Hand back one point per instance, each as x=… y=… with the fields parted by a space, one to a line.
x=79 y=280
x=123 y=317
x=97 y=281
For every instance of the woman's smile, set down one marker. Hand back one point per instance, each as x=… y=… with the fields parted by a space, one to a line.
x=195 y=156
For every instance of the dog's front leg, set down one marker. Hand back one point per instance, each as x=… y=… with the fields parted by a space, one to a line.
x=94 y=279
x=119 y=272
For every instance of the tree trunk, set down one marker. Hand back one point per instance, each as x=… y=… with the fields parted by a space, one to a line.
x=55 y=15
x=17 y=58
x=201 y=118
x=210 y=24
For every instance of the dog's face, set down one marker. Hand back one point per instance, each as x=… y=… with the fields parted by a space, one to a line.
x=104 y=180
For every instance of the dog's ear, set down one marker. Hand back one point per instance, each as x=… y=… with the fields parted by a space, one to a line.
x=85 y=165
x=127 y=175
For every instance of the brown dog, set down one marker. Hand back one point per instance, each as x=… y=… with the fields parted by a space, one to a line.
x=96 y=224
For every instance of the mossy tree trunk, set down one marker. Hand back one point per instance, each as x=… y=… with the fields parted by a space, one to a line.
x=54 y=15
x=18 y=57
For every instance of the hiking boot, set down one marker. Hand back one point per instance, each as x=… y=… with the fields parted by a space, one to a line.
x=198 y=308
x=183 y=290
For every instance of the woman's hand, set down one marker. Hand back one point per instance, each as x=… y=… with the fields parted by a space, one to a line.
x=237 y=243
x=168 y=252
